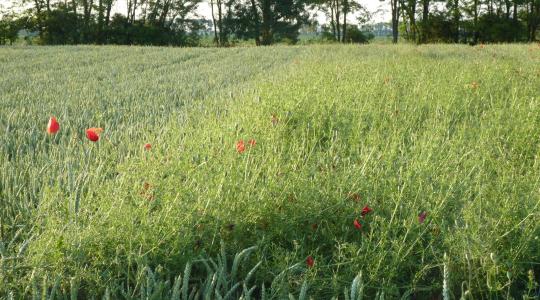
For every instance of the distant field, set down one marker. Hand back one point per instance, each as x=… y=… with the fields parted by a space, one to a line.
x=416 y=167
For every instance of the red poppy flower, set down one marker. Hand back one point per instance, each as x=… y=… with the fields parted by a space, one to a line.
x=422 y=217
x=240 y=146
x=147 y=146
x=357 y=224
x=252 y=142
x=310 y=261
x=53 y=126
x=93 y=133
x=366 y=210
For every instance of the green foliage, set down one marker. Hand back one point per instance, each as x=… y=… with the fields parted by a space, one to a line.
x=121 y=32
x=9 y=28
x=354 y=35
x=267 y=21
x=153 y=284
x=336 y=128
x=491 y=29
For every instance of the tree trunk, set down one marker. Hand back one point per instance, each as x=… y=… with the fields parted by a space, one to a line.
x=536 y=21
x=132 y=16
x=332 y=21
x=267 y=35
x=338 y=25
x=38 y=18
x=475 y=22
x=425 y=20
x=162 y=15
x=100 y=22
x=216 y=39
x=395 y=20
x=129 y=3
x=108 y=16
x=345 y=11
x=144 y=12
x=412 y=19
x=456 y=20
x=76 y=37
x=508 y=5
x=107 y=20
x=220 y=23
x=257 y=24
x=409 y=17
x=127 y=29
x=405 y=17
x=87 y=7
x=344 y=33
x=530 y=20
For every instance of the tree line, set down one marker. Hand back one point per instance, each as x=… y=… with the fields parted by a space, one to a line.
x=465 y=21
x=175 y=22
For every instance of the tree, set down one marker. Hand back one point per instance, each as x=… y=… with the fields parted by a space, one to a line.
x=338 y=11
x=409 y=10
x=532 y=18
x=10 y=25
x=355 y=35
x=220 y=32
x=268 y=21
x=216 y=38
x=395 y=6
x=425 y=20
x=454 y=9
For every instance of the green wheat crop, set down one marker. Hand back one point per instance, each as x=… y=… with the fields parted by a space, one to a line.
x=449 y=133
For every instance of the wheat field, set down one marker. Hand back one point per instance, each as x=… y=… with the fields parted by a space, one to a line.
x=379 y=171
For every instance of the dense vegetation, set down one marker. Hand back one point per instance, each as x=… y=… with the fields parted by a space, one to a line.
x=425 y=184
x=266 y=22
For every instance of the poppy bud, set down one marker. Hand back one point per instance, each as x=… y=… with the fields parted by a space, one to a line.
x=310 y=261
x=366 y=210
x=357 y=224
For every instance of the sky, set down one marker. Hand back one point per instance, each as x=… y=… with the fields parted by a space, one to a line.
x=378 y=8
